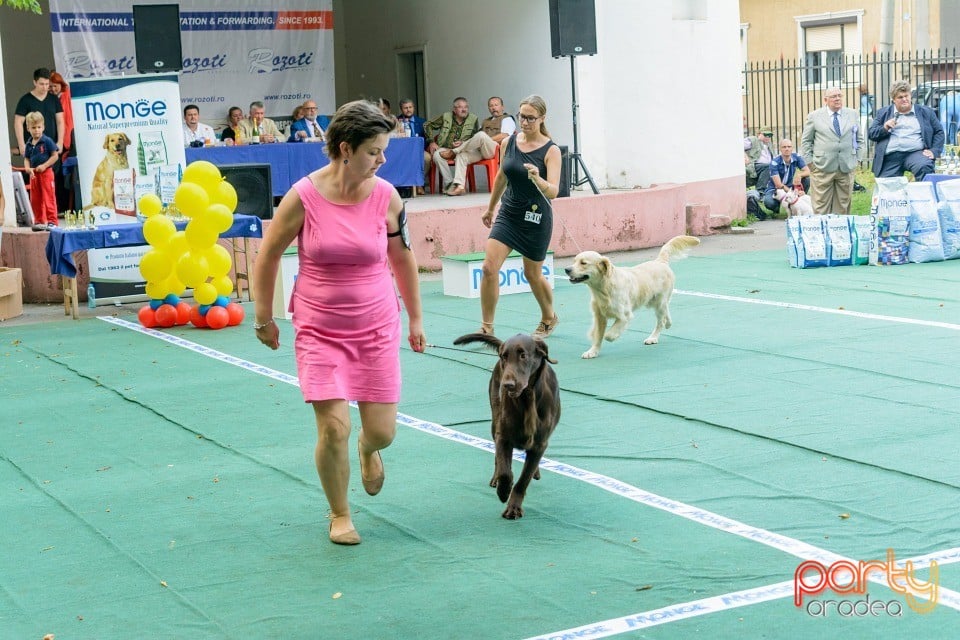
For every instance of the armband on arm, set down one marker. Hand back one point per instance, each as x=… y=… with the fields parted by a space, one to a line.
x=403 y=232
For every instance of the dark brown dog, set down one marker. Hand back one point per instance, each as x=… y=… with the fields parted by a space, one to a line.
x=525 y=404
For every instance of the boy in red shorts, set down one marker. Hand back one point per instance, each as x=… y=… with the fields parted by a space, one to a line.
x=39 y=156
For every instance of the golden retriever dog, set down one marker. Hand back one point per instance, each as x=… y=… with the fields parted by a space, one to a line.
x=617 y=292
x=101 y=190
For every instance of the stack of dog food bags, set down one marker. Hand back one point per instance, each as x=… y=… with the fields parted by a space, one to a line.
x=144 y=185
x=806 y=242
x=949 y=210
x=891 y=211
x=926 y=242
x=839 y=240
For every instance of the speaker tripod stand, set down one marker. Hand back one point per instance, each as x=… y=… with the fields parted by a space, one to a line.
x=576 y=161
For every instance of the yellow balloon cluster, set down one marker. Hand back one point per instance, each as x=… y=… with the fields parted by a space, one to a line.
x=191 y=257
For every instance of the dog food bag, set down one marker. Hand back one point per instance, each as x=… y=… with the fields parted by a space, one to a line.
x=151 y=151
x=168 y=179
x=813 y=240
x=123 y=199
x=839 y=240
x=926 y=243
x=794 y=246
x=143 y=185
x=862 y=229
x=949 y=212
x=891 y=209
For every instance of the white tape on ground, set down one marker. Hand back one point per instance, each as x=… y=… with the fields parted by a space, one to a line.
x=807 y=307
x=702 y=516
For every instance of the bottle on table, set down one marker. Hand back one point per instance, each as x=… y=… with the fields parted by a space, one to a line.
x=91 y=297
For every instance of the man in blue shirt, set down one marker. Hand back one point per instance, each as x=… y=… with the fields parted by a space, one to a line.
x=787 y=171
x=909 y=137
x=407 y=115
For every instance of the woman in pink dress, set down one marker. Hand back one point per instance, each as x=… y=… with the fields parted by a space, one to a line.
x=350 y=231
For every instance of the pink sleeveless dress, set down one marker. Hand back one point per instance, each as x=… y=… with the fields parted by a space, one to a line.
x=345 y=309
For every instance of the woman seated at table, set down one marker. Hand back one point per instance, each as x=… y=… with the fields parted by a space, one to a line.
x=229 y=134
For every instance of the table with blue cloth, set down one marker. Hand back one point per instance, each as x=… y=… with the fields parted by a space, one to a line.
x=62 y=244
x=290 y=161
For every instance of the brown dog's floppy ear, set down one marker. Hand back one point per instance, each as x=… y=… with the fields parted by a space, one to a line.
x=106 y=141
x=543 y=350
x=126 y=139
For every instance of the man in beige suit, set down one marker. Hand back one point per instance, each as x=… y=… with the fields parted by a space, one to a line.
x=832 y=144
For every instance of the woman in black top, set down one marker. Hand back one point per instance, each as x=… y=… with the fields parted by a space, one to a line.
x=234 y=116
x=525 y=220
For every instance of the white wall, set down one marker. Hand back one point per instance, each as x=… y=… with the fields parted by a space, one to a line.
x=8 y=217
x=659 y=103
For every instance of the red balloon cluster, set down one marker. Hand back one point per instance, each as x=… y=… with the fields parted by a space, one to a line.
x=217 y=316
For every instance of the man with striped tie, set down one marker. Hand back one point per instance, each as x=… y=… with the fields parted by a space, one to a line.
x=308 y=128
x=832 y=144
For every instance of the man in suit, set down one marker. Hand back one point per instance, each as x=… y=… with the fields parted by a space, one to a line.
x=832 y=144
x=309 y=128
x=909 y=137
x=408 y=115
x=257 y=128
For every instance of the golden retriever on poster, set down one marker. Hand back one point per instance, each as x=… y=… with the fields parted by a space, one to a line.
x=101 y=189
x=617 y=292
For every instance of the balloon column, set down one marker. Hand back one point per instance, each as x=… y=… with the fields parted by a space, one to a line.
x=191 y=257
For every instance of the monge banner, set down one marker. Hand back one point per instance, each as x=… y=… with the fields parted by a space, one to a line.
x=233 y=52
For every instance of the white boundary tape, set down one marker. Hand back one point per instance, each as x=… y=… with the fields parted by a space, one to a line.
x=636 y=621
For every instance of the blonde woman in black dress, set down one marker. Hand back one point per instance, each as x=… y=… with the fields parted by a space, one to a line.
x=525 y=220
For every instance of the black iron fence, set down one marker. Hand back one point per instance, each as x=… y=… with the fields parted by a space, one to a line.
x=778 y=95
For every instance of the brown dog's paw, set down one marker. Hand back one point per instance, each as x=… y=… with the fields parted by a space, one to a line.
x=513 y=512
x=536 y=473
x=493 y=481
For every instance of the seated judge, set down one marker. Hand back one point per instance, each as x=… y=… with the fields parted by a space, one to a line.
x=909 y=137
x=309 y=128
x=257 y=128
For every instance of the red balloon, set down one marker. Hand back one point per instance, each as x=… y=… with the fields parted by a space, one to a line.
x=183 y=313
x=235 y=312
x=196 y=319
x=147 y=317
x=217 y=317
x=166 y=315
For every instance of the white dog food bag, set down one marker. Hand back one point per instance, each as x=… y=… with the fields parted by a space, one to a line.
x=123 y=201
x=143 y=185
x=949 y=212
x=892 y=213
x=168 y=179
x=863 y=230
x=926 y=243
x=839 y=240
x=151 y=151
x=806 y=242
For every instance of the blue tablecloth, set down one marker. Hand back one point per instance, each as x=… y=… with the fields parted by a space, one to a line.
x=290 y=161
x=62 y=243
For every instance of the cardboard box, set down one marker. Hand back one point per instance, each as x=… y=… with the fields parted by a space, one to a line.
x=11 y=293
x=461 y=274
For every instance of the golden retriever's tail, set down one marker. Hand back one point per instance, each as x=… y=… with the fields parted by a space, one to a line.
x=677 y=248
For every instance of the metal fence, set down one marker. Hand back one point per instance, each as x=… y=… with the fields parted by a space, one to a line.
x=778 y=95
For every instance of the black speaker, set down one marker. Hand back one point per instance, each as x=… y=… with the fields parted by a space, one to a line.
x=253 y=186
x=564 y=189
x=573 y=28
x=156 y=35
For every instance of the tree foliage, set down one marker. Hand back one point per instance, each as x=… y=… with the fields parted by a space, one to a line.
x=23 y=5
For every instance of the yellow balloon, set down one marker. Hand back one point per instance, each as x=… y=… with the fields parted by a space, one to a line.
x=205 y=293
x=174 y=285
x=191 y=199
x=219 y=217
x=158 y=230
x=219 y=260
x=178 y=245
x=202 y=173
x=149 y=205
x=223 y=285
x=157 y=290
x=192 y=269
x=156 y=265
x=224 y=193
x=200 y=234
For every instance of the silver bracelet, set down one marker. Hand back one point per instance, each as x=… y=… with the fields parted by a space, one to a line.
x=257 y=326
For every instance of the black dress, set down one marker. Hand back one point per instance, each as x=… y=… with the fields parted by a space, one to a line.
x=525 y=221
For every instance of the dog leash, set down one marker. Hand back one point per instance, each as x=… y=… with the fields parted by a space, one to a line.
x=558 y=218
x=485 y=353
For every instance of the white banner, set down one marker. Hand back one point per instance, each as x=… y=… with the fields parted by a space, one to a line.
x=231 y=55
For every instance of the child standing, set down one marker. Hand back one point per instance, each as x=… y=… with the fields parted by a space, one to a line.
x=39 y=156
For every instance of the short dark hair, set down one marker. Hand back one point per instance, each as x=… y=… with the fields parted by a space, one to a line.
x=191 y=106
x=459 y=98
x=42 y=72
x=354 y=123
